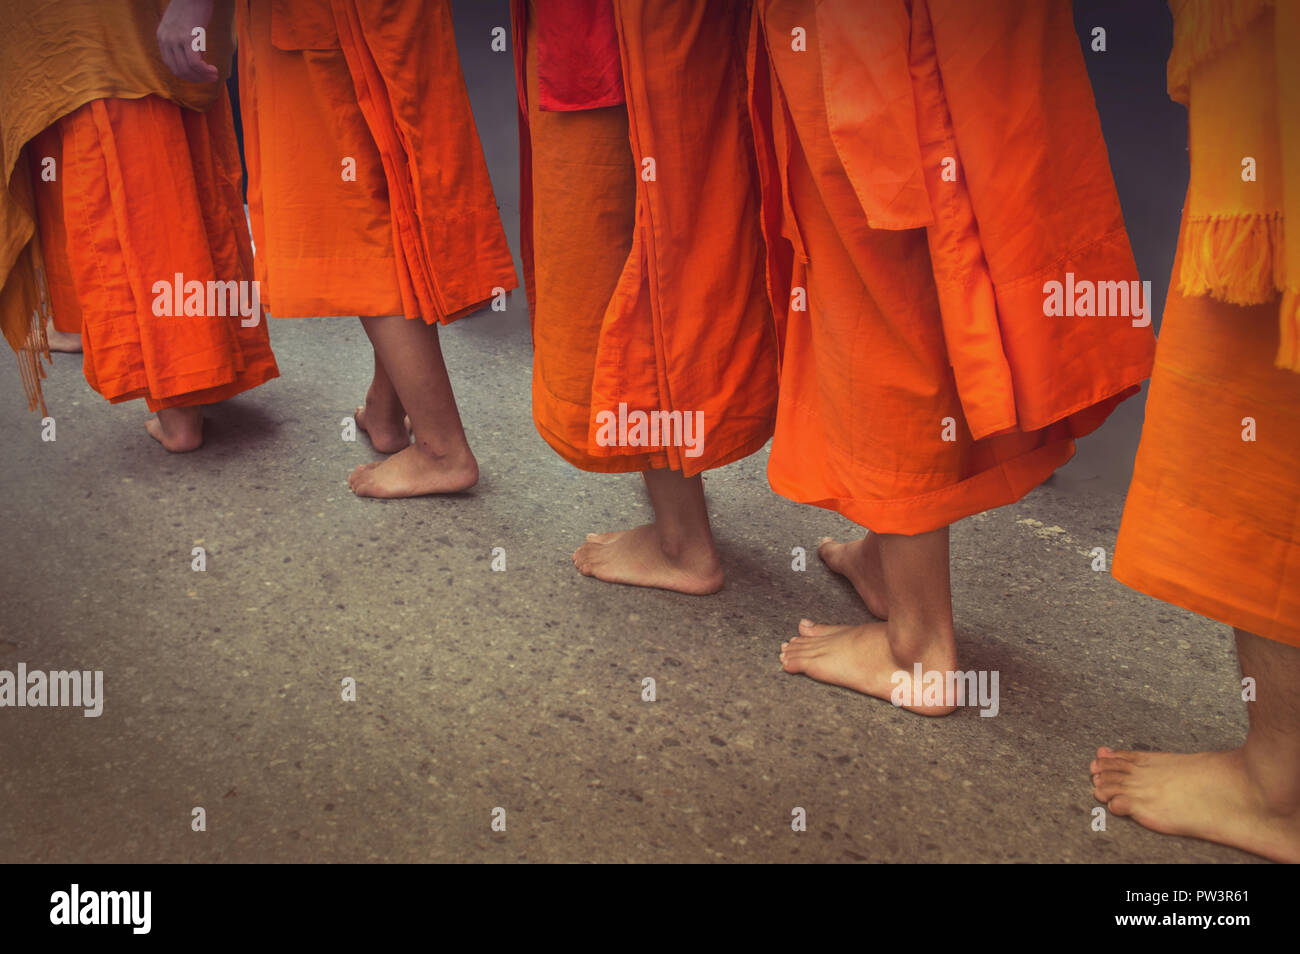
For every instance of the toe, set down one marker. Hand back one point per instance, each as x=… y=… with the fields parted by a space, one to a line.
x=1131 y=757
x=1110 y=765
x=1120 y=805
x=1107 y=785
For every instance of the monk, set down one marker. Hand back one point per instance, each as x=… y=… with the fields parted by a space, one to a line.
x=369 y=196
x=124 y=228
x=654 y=346
x=1210 y=523
x=940 y=214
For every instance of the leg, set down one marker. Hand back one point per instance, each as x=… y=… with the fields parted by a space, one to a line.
x=382 y=416
x=179 y=429
x=859 y=561
x=676 y=552
x=914 y=572
x=65 y=341
x=1248 y=797
x=440 y=460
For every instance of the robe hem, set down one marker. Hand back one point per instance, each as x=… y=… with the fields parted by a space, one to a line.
x=653 y=459
x=997 y=486
x=1159 y=587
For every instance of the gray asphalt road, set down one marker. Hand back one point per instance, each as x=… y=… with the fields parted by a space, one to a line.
x=523 y=689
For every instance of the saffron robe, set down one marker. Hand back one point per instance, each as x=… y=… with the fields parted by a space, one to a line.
x=642 y=250
x=367 y=186
x=146 y=191
x=55 y=58
x=929 y=169
x=1212 y=518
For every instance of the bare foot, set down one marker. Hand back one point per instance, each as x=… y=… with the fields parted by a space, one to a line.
x=414 y=472
x=859 y=561
x=179 y=429
x=1208 y=795
x=64 y=341
x=860 y=658
x=638 y=557
x=388 y=433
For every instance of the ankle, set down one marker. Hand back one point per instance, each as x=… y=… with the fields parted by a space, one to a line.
x=932 y=642
x=382 y=405
x=444 y=450
x=684 y=543
x=1274 y=781
x=180 y=420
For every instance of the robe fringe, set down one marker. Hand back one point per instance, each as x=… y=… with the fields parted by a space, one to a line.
x=1240 y=259
x=36 y=345
x=1236 y=257
x=1202 y=29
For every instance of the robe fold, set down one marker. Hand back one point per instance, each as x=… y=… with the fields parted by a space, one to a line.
x=367 y=186
x=1212 y=518
x=54 y=59
x=642 y=248
x=931 y=171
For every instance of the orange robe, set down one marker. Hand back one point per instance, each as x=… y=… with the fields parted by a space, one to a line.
x=1212 y=518
x=367 y=187
x=929 y=168
x=643 y=255
x=146 y=191
x=56 y=58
